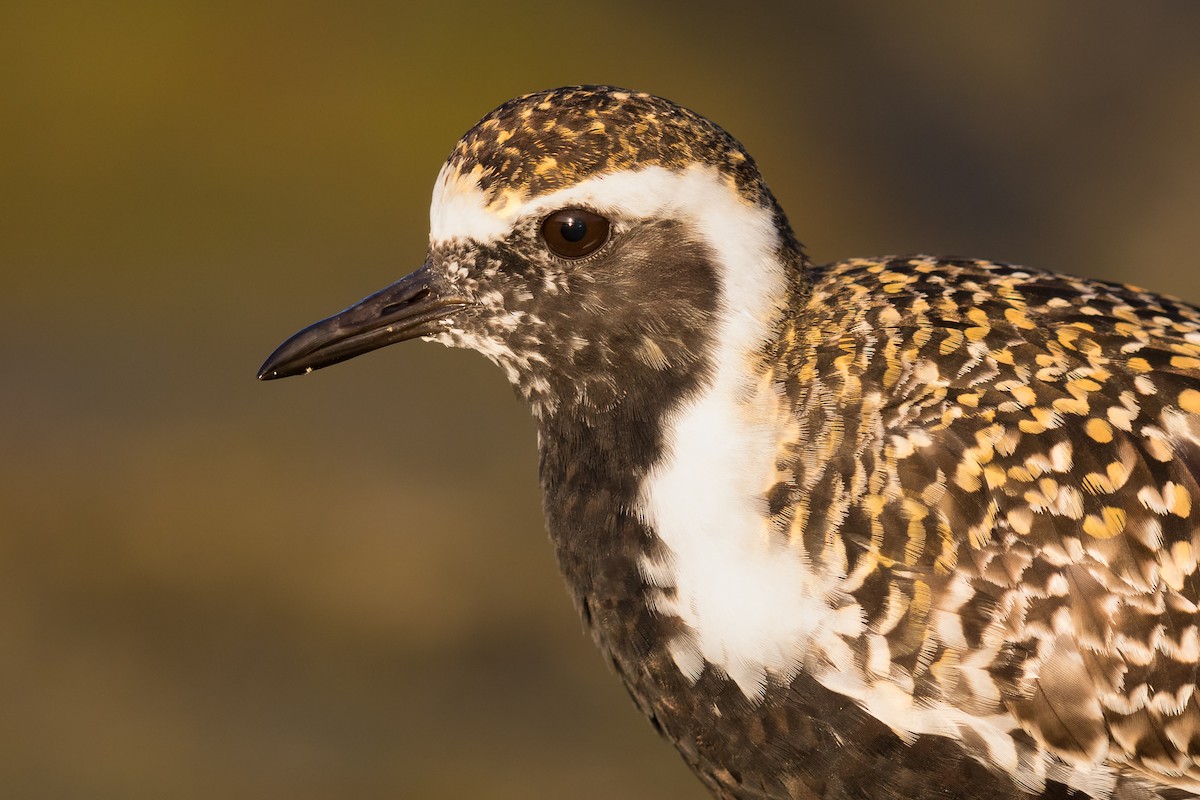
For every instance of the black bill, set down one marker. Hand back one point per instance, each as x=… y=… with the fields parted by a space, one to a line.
x=413 y=306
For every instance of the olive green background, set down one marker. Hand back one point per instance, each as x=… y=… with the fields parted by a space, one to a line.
x=339 y=586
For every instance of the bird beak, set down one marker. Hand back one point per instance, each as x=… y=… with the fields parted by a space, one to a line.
x=413 y=306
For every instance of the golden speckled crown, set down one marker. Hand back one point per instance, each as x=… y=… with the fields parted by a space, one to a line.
x=549 y=140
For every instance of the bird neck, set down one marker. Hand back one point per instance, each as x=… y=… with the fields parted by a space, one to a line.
x=592 y=465
x=595 y=459
x=596 y=465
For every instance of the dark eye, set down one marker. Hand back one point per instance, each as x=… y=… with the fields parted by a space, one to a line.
x=574 y=233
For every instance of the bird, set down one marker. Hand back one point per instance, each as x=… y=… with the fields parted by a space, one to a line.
x=896 y=527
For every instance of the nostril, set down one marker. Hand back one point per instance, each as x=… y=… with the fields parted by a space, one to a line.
x=420 y=295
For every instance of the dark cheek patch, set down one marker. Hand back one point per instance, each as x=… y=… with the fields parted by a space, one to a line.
x=634 y=318
x=655 y=289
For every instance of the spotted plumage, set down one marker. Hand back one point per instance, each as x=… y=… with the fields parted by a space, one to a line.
x=903 y=527
x=537 y=144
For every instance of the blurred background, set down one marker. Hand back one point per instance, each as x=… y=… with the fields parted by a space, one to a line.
x=340 y=586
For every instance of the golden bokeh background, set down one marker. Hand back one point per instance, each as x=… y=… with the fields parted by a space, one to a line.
x=339 y=586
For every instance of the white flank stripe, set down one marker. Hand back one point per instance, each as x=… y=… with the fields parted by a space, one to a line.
x=750 y=604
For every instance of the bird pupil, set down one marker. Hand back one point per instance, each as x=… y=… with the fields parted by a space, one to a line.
x=573 y=229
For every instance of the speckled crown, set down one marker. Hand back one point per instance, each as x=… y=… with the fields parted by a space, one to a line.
x=548 y=140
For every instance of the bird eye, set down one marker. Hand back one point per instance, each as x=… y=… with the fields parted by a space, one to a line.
x=574 y=233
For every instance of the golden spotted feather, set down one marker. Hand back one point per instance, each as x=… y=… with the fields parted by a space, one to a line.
x=1003 y=464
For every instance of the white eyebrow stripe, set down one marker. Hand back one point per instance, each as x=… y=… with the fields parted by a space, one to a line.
x=460 y=209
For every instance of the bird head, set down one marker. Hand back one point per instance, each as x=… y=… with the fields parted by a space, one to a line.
x=594 y=242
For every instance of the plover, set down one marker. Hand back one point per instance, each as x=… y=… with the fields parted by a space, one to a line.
x=903 y=527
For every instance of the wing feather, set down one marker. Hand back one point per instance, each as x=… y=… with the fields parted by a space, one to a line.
x=1026 y=491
